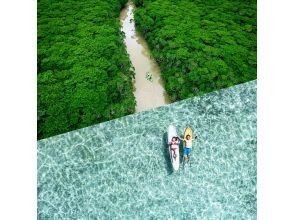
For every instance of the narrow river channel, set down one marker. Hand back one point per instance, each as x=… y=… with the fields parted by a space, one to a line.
x=148 y=93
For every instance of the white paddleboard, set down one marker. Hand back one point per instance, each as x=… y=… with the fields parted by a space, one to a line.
x=172 y=132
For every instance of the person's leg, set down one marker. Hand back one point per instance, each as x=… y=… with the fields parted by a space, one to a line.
x=188 y=153
x=185 y=153
x=174 y=150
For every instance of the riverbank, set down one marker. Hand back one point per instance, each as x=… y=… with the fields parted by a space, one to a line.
x=149 y=93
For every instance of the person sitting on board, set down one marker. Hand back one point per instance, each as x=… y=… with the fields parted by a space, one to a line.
x=174 y=145
x=188 y=146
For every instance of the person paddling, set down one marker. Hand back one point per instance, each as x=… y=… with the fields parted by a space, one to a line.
x=149 y=76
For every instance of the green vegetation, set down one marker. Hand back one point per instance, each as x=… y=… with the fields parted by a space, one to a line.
x=200 y=45
x=84 y=73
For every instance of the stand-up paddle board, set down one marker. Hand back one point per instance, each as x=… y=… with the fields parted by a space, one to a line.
x=172 y=132
x=188 y=131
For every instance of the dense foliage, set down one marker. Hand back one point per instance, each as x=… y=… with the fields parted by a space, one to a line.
x=200 y=45
x=84 y=74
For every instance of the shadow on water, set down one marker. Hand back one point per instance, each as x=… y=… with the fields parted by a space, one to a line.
x=181 y=149
x=165 y=150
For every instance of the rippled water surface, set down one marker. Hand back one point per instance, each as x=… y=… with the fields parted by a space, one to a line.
x=121 y=169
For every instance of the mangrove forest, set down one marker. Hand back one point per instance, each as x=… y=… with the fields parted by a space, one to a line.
x=85 y=75
x=84 y=72
x=200 y=45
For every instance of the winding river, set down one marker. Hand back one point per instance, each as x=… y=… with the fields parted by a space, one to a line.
x=148 y=93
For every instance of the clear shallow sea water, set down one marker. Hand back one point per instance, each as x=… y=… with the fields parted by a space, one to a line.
x=121 y=169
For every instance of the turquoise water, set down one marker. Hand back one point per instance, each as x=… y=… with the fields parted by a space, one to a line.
x=121 y=169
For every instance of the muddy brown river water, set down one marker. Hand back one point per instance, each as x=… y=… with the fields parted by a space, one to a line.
x=148 y=94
